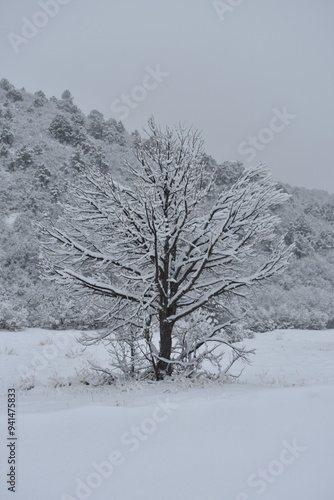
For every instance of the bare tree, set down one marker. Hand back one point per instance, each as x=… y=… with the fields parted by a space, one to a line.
x=162 y=251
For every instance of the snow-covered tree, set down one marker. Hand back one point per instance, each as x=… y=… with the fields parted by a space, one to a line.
x=14 y=95
x=96 y=124
x=114 y=132
x=6 y=135
x=162 y=255
x=77 y=160
x=66 y=96
x=61 y=129
x=24 y=157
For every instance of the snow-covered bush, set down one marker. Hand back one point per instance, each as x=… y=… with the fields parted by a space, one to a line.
x=13 y=316
x=24 y=157
x=6 y=135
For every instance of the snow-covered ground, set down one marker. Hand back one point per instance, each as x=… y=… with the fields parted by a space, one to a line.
x=267 y=435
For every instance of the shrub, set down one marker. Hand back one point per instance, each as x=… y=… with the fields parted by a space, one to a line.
x=6 y=135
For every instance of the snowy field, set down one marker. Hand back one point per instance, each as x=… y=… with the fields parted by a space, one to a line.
x=268 y=435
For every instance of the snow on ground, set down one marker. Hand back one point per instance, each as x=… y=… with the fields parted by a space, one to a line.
x=267 y=435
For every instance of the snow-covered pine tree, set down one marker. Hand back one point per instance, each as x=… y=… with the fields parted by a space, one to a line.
x=161 y=254
x=61 y=129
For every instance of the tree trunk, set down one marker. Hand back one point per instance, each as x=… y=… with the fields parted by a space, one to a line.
x=164 y=368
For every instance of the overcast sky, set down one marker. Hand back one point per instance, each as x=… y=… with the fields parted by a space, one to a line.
x=256 y=76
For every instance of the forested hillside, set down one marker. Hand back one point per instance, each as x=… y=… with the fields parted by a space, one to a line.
x=46 y=144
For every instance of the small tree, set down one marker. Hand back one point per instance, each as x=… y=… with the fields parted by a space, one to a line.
x=24 y=157
x=162 y=254
x=77 y=160
x=5 y=84
x=61 y=129
x=66 y=96
x=114 y=132
x=96 y=124
x=14 y=95
x=6 y=135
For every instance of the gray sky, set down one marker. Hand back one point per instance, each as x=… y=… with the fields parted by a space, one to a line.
x=256 y=76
